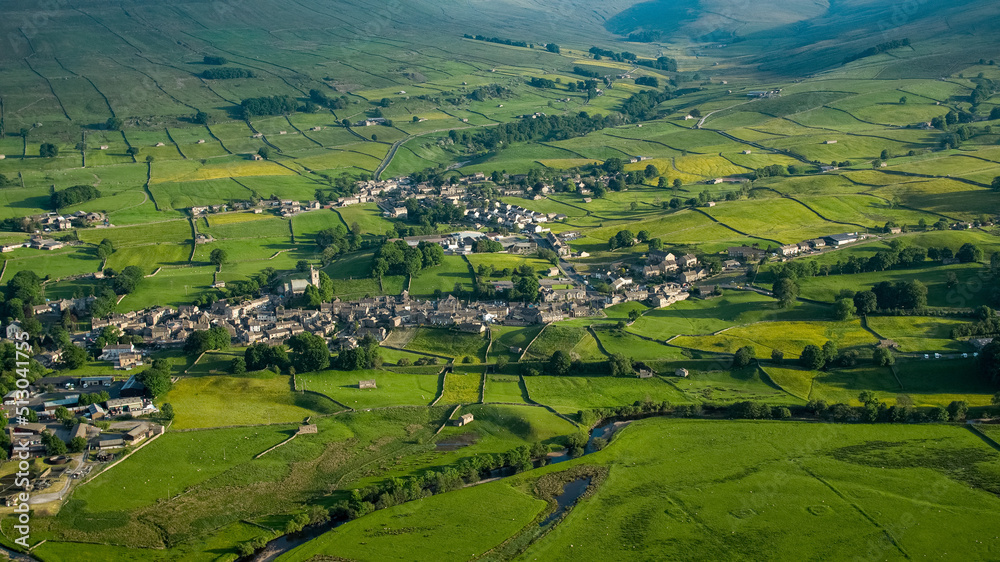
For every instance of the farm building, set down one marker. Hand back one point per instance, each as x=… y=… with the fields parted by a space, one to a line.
x=368 y=384
x=645 y=373
x=841 y=239
x=121 y=405
x=105 y=444
x=307 y=429
x=96 y=381
x=682 y=372
x=464 y=419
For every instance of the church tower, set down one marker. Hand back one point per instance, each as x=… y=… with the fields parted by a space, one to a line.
x=314 y=277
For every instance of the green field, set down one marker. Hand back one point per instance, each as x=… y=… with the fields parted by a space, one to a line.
x=252 y=399
x=790 y=489
x=393 y=389
x=405 y=532
x=450 y=343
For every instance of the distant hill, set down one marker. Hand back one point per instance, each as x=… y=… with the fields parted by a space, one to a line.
x=800 y=37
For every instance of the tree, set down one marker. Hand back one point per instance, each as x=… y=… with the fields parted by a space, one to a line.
x=201 y=341
x=309 y=352
x=238 y=366
x=167 y=411
x=78 y=444
x=264 y=152
x=156 y=380
x=501 y=362
x=54 y=446
x=552 y=48
x=218 y=257
x=614 y=165
x=883 y=357
x=560 y=363
x=651 y=171
x=865 y=302
x=48 y=150
x=743 y=357
x=812 y=358
x=969 y=253
x=620 y=365
x=786 y=290
x=73 y=357
x=105 y=249
x=902 y=100
x=844 y=309
x=957 y=410
x=996 y=399
x=113 y=124
x=200 y=118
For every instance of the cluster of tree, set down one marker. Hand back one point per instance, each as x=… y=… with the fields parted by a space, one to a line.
x=200 y=341
x=584 y=72
x=470 y=470
x=260 y=356
x=748 y=410
x=989 y=365
x=624 y=56
x=399 y=258
x=73 y=195
x=880 y=48
x=526 y=285
x=431 y=215
x=321 y=99
x=988 y=323
x=541 y=83
x=552 y=48
x=105 y=249
x=774 y=170
x=873 y=410
x=984 y=89
x=487 y=246
x=814 y=357
x=642 y=106
x=651 y=81
x=336 y=240
x=48 y=150
x=9 y=370
x=94 y=397
x=227 y=73
x=156 y=379
x=309 y=352
x=623 y=239
x=273 y=105
x=660 y=63
x=127 y=280
x=249 y=288
x=217 y=61
x=498 y=40
x=367 y=355
x=643 y=36
x=488 y=92
x=5 y=181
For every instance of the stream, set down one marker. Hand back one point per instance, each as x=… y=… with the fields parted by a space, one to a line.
x=564 y=501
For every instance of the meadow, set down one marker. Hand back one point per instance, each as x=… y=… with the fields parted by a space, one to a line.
x=791 y=486
x=676 y=489
x=250 y=399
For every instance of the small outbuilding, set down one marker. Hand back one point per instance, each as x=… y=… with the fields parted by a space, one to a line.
x=682 y=372
x=464 y=419
x=368 y=384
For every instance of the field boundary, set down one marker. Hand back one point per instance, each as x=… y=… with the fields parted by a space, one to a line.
x=446 y=420
x=532 y=342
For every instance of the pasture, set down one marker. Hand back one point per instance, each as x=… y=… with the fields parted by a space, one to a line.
x=870 y=480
